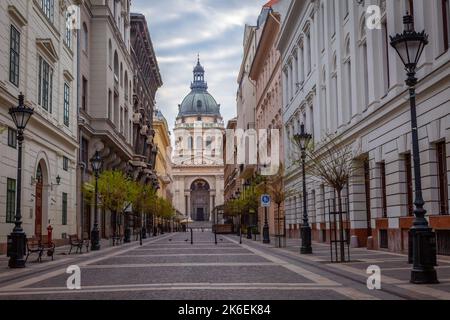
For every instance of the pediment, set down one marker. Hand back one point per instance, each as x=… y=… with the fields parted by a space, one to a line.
x=48 y=49
x=17 y=16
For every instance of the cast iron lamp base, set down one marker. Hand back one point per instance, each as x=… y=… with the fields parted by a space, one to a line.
x=306 y=240
x=95 y=240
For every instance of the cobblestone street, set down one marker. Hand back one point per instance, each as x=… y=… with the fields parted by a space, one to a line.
x=168 y=267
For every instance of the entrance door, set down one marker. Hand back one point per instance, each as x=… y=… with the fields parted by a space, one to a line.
x=38 y=207
x=200 y=214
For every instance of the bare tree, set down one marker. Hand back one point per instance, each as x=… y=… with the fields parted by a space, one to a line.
x=332 y=163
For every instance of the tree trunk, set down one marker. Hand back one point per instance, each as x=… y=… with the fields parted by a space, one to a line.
x=341 y=226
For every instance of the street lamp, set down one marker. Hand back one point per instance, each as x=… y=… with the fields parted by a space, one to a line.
x=17 y=239
x=409 y=46
x=97 y=164
x=303 y=140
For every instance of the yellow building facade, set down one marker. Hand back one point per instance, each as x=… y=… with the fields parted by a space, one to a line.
x=163 y=158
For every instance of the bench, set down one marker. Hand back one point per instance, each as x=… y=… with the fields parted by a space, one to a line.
x=34 y=246
x=48 y=246
x=76 y=242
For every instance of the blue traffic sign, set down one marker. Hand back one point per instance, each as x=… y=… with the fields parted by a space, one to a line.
x=265 y=200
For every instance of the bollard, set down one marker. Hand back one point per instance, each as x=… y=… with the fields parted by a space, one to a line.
x=192 y=236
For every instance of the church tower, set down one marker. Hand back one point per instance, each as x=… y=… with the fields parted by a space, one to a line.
x=198 y=162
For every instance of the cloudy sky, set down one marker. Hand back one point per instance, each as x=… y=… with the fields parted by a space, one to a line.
x=213 y=28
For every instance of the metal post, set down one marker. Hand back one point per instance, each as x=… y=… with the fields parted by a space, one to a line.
x=266 y=235
x=18 y=237
x=306 y=229
x=192 y=236
x=95 y=234
x=420 y=233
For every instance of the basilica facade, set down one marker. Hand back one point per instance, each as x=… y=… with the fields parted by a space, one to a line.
x=197 y=159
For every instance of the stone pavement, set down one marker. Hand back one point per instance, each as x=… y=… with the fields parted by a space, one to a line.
x=395 y=270
x=168 y=267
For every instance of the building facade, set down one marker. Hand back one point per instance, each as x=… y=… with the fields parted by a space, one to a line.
x=198 y=168
x=265 y=71
x=231 y=169
x=38 y=58
x=343 y=80
x=118 y=80
x=163 y=164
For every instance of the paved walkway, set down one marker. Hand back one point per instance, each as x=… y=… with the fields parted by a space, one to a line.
x=169 y=267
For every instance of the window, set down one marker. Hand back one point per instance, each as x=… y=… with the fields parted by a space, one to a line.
x=12 y=138
x=345 y=8
x=367 y=192
x=65 y=164
x=85 y=38
x=110 y=53
x=45 y=85
x=68 y=35
x=383 y=190
x=199 y=104
x=385 y=43
x=48 y=7
x=442 y=178
x=109 y=104
x=84 y=151
x=365 y=64
x=333 y=17
x=64 y=209
x=10 y=200
x=409 y=184
x=384 y=240
x=347 y=110
x=66 y=104
x=14 y=56
x=446 y=22
x=84 y=88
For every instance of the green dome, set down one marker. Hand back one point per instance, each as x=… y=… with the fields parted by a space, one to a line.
x=199 y=102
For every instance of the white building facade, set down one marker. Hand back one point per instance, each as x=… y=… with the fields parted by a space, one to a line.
x=342 y=78
x=38 y=58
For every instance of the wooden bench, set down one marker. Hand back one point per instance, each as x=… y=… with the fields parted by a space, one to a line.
x=76 y=242
x=48 y=246
x=34 y=246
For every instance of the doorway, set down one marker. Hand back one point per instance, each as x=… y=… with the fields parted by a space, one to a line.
x=38 y=205
x=200 y=195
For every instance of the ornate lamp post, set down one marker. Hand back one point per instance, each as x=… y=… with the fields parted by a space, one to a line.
x=409 y=46
x=97 y=164
x=16 y=240
x=303 y=140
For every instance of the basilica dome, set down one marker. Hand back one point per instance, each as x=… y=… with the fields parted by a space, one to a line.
x=199 y=102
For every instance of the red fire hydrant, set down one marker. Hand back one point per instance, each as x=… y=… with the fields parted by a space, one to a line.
x=49 y=234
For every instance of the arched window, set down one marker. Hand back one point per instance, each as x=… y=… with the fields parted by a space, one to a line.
x=346 y=110
x=322 y=25
x=121 y=74
x=126 y=85
x=334 y=95
x=116 y=66
x=110 y=54
x=324 y=95
x=199 y=104
x=85 y=38
x=364 y=63
x=190 y=143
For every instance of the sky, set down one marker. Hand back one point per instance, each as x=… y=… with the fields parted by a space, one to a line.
x=181 y=29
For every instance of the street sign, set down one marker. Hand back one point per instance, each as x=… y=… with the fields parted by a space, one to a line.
x=265 y=201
